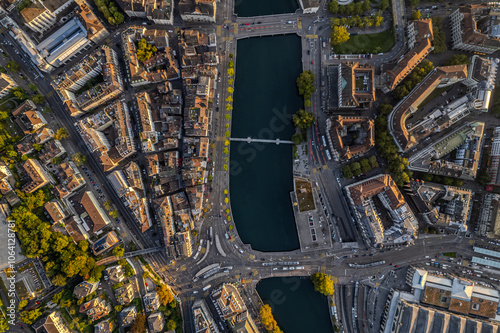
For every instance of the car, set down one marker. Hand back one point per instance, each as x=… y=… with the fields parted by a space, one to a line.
x=312 y=62
x=371 y=254
x=259 y=22
x=217 y=109
x=396 y=266
x=247 y=23
x=308 y=51
x=262 y=259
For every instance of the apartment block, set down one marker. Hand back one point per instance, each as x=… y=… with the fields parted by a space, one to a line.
x=437 y=78
x=420 y=36
x=6 y=84
x=38 y=176
x=368 y=198
x=474 y=28
x=198 y=10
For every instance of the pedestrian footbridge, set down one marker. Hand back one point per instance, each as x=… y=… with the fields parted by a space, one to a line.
x=250 y=140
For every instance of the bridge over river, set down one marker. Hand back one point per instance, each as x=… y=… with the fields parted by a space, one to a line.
x=250 y=140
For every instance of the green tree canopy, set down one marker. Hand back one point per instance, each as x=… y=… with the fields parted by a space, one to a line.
x=339 y=35
x=145 y=50
x=79 y=159
x=305 y=84
x=13 y=66
x=268 y=320
x=164 y=294
x=323 y=283
x=118 y=251
x=29 y=317
x=458 y=59
x=139 y=325
x=38 y=99
x=333 y=6
x=303 y=119
x=416 y=15
x=61 y=133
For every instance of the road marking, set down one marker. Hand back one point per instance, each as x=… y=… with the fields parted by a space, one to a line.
x=227 y=21
x=465 y=263
x=252 y=257
x=299 y=23
x=255 y=272
x=471 y=242
x=314 y=170
x=237 y=276
x=235 y=28
x=203 y=250
x=183 y=268
x=50 y=93
x=323 y=269
x=312 y=36
x=218 y=30
x=323 y=255
x=325 y=167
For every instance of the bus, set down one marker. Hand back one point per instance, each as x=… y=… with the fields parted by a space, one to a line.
x=207 y=287
x=211 y=236
x=324 y=141
x=328 y=155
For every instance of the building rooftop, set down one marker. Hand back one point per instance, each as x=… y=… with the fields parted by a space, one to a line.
x=397 y=119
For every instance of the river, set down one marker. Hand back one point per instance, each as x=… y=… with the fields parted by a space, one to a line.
x=245 y=8
x=297 y=307
x=265 y=98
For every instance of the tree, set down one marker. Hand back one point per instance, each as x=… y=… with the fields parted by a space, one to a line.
x=3 y=115
x=139 y=325
x=230 y=71
x=113 y=214
x=303 y=119
x=305 y=84
x=323 y=283
x=164 y=294
x=13 y=66
x=414 y=2
x=230 y=90
x=4 y=325
x=22 y=304
x=118 y=251
x=347 y=172
x=416 y=15
x=194 y=233
x=230 y=64
x=333 y=7
x=365 y=165
x=61 y=133
x=38 y=99
x=339 y=35
x=59 y=280
x=2 y=69
x=267 y=319
x=145 y=50
x=19 y=93
x=29 y=317
x=79 y=159
x=171 y=325
x=33 y=87
x=56 y=160
x=458 y=59
x=118 y=308
x=57 y=297
x=373 y=161
x=383 y=4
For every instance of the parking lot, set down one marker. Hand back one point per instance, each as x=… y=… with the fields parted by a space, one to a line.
x=312 y=226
